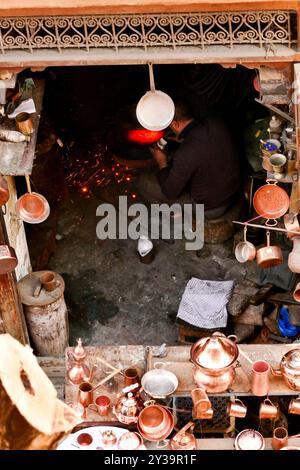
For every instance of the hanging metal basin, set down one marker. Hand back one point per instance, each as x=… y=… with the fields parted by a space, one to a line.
x=32 y=208
x=270 y=201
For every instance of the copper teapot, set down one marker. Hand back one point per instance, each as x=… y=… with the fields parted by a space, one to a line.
x=215 y=360
x=129 y=405
x=290 y=369
x=184 y=439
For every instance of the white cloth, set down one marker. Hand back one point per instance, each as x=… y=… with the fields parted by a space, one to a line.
x=26 y=106
x=203 y=303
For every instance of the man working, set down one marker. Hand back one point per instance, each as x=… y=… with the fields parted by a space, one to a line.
x=206 y=162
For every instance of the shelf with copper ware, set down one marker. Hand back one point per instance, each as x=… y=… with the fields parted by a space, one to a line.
x=177 y=360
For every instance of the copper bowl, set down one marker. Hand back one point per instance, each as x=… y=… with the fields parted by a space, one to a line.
x=154 y=435
x=84 y=439
x=130 y=441
x=249 y=439
x=152 y=419
x=32 y=208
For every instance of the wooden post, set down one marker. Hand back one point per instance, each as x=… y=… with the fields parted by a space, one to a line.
x=296 y=97
x=11 y=311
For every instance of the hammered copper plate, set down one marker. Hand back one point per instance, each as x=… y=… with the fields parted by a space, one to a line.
x=271 y=202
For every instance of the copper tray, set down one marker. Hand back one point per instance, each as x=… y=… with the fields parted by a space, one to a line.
x=270 y=201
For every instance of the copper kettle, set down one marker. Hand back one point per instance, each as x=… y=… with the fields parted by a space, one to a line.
x=290 y=369
x=184 y=440
x=129 y=405
x=215 y=360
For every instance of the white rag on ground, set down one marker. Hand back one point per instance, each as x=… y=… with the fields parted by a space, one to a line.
x=203 y=303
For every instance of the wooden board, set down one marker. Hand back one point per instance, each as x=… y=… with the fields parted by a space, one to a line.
x=119 y=357
x=177 y=361
x=54 y=368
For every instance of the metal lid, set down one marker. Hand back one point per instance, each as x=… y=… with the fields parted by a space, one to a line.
x=79 y=351
x=249 y=439
x=215 y=352
x=292 y=358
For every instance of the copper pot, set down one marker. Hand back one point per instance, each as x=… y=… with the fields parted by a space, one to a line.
x=4 y=193
x=269 y=256
x=8 y=259
x=155 y=423
x=289 y=369
x=215 y=360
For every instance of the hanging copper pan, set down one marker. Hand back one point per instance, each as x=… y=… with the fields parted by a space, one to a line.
x=32 y=207
x=270 y=201
x=8 y=259
x=269 y=256
x=4 y=193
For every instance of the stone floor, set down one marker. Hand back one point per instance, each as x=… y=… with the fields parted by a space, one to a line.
x=112 y=296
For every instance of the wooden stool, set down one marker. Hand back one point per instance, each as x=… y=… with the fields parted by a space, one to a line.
x=189 y=334
x=221 y=229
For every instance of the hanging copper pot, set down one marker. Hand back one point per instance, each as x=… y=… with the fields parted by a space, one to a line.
x=4 y=193
x=269 y=256
x=8 y=259
x=215 y=360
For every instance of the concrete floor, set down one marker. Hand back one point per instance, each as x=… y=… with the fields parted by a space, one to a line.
x=112 y=296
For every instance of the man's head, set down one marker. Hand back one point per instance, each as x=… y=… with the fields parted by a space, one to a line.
x=183 y=116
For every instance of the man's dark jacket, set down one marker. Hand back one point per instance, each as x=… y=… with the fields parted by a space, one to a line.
x=207 y=161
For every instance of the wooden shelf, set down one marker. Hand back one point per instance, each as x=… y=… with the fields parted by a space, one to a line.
x=17 y=159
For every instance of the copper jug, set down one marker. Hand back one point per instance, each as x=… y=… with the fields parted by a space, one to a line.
x=128 y=405
x=184 y=440
x=79 y=372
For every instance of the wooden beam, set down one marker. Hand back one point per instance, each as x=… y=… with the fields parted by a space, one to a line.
x=11 y=311
x=90 y=7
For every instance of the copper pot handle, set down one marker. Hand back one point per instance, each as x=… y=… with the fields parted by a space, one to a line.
x=90 y=407
x=233 y=338
x=193 y=362
x=271 y=224
x=189 y=425
x=71 y=356
x=276 y=372
x=271 y=181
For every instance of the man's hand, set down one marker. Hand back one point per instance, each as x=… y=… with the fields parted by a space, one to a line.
x=159 y=156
